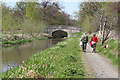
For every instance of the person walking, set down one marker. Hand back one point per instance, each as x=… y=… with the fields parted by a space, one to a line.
x=84 y=40
x=93 y=42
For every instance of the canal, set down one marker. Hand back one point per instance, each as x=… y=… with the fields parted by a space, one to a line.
x=14 y=56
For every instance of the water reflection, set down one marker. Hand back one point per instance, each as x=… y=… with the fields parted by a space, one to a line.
x=14 y=56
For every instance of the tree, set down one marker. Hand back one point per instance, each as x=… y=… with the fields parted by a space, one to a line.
x=102 y=17
x=32 y=17
x=86 y=26
x=108 y=21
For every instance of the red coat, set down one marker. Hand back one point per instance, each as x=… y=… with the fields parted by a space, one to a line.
x=94 y=39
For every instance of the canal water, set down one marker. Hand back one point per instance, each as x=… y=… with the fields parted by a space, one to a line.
x=14 y=56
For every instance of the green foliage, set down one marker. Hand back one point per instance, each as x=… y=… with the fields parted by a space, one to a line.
x=87 y=11
x=78 y=34
x=89 y=16
x=31 y=27
x=60 y=61
x=86 y=25
x=33 y=17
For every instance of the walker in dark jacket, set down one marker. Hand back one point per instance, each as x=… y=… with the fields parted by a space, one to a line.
x=84 y=40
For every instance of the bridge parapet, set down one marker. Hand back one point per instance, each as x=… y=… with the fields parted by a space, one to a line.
x=69 y=29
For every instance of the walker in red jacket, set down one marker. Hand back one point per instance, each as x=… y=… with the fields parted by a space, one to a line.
x=93 y=42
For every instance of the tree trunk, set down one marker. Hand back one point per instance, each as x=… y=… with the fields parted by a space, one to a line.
x=101 y=27
x=101 y=24
x=103 y=31
x=106 y=34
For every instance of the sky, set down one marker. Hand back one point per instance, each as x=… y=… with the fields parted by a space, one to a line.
x=70 y=7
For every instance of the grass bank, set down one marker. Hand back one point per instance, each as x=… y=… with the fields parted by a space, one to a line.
x=16 y=42
x=61 y=61
x=111 y=52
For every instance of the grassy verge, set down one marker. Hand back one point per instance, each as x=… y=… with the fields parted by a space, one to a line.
x=11 y=43
x=61 y=61
x=111 y=52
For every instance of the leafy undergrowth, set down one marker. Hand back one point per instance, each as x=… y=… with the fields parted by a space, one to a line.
x=60 y=61
x=111 y=52
x=78 y=34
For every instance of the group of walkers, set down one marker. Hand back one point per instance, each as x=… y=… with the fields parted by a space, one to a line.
x=93 y=41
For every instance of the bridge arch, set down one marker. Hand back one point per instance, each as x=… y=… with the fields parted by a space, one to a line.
x=51 y=30
x=59 y=34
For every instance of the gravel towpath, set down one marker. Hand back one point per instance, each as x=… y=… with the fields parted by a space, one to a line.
x=100 y=67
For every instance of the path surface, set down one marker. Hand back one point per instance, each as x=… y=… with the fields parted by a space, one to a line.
x=100 y=67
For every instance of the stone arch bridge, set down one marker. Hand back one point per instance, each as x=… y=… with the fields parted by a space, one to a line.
x=61 y=31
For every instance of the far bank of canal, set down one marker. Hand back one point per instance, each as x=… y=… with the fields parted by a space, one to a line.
x=15 y=55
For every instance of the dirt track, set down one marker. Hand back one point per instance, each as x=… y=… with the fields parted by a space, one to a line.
x=100 y=67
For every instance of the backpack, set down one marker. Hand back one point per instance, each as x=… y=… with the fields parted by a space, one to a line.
x=85 y=38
